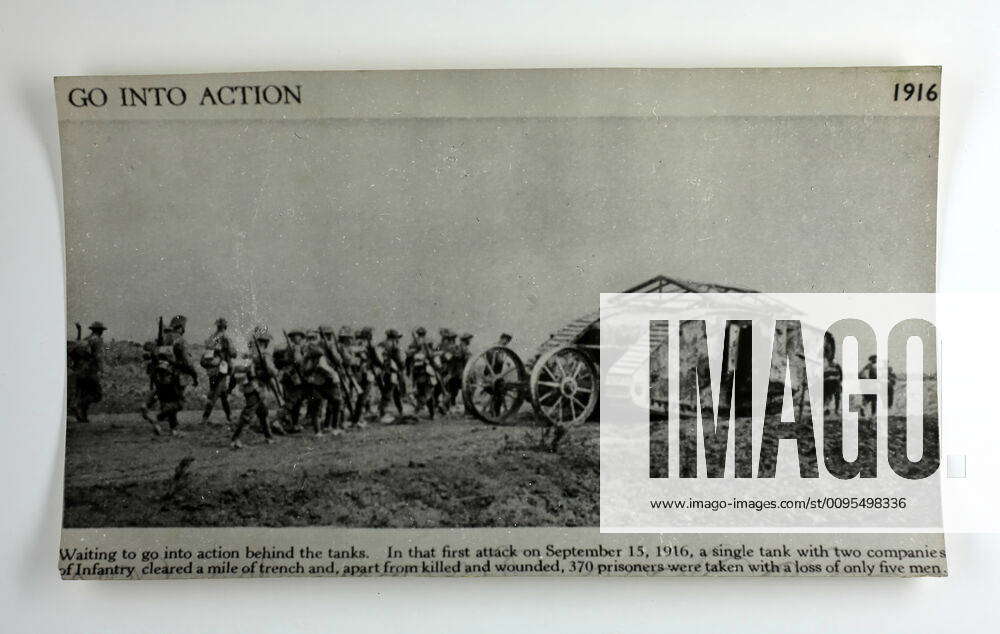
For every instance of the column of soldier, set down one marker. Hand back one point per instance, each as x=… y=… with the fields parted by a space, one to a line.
x=329 y=376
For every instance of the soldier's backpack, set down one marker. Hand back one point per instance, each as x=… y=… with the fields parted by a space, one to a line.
x=163 y=364
x=210 y=359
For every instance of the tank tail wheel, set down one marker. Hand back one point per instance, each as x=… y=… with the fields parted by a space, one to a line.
x=494 y=385
x=565 y=386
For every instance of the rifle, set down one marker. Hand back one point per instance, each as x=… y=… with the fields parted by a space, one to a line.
x=345 y=379
x=425 y=347
x=79 y=331
x=159 y=332
x=271 y=382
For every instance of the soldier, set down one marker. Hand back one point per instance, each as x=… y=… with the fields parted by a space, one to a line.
x=496 y=364
x=149 y=356
x=390 y=360
x=833 y=377
x=366 y=370
x=259 y=375
x=350 y=369
x=172 y=363
x=891 y=380
x=289 y=364
x=88 y=367
x=459 y=361
x=450 y=369
x=323 y=380
x=217 y=361
x=869 y=401
x=419 y=360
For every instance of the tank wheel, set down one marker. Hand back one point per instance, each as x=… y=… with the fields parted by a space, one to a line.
x=494 y=385
x=564 y=386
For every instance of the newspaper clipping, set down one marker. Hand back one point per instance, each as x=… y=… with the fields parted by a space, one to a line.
x=350 y=323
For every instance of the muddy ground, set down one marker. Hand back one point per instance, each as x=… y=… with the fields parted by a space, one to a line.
x=454 y=471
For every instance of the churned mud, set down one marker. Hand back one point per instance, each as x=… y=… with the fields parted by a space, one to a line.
x=453 y=471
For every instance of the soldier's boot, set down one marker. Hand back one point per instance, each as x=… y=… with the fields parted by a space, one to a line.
x=293 y=420
x=268 y=428
x=207 y=414
x=359 y=409
x=144 y=411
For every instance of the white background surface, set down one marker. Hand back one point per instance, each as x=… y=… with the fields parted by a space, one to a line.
x=39 y=39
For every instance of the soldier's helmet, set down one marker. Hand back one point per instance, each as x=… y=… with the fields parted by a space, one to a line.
x=467 y=337
x=421 y=331
x=326 y=329
x=345 y=332
x=504 y=335
x=221 y=323
x=296 y=331
x=262 y=335
x=446 y=333
x=871 y=359
x=392 y=333
x=312 y=334
x=97 y=327
x=365 y=333
x=178 y=321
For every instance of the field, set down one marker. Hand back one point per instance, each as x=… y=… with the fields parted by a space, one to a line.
x=453 y=471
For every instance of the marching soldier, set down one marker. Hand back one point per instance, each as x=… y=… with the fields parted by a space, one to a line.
x=172 y=363
x=390 y=359
x=869 y=401
x=149 y=356
x=259 y=375
x=419 y=360
x=350 y=366
x=217 y=361
x=459 y=361
x=323 y=380
x=366 y=371
x=833 y=379
x=88 y=368
x=450 y=370
x=289 y=364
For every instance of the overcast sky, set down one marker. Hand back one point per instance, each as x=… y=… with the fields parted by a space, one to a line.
x=481 y=225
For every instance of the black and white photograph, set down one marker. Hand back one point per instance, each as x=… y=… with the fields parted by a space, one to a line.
x=391 y=321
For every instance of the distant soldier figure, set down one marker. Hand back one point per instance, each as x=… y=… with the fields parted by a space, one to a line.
x=833 y=378
x=390 y=359
x=149 y=357
x=350 y=370
x=172 y=364
x=258 y=375
x=217 y=361
x=289 y=362
x=323 y=399
x=891 y=380
x=869 y=401
x=451 y=368
x=87 y=363
x=496 y=364
x=366 y=372
x=423 y=374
